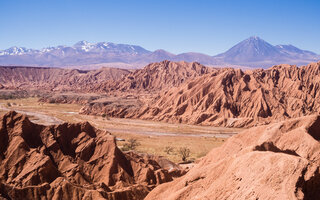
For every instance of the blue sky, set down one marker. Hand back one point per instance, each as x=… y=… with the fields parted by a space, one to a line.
x=177 y=26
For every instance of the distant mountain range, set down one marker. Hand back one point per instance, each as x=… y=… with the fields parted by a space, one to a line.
x=255 y=52
x=252 y=52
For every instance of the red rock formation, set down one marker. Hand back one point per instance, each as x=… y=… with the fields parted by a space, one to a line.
x=148 y=81
x=278 y=161
x=70 y=161
x=159 y=76
x=234 y=98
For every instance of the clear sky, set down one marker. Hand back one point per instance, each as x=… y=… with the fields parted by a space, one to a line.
x=205 y=26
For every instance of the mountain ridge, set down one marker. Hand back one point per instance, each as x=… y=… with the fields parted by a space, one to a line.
x=255 y=50
x=251 y=52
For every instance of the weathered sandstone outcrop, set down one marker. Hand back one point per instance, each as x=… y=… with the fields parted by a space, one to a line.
x=231 y=97
x=71 y=161
x=277 y=161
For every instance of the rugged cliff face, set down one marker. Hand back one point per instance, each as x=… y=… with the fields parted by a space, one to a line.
x=72 y=161
x=278 y=161
x=234 y=98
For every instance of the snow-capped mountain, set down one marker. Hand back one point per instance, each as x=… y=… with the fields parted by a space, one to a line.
x=15 y=51
x=253 y=52
x=82 y=46
x=81 y=53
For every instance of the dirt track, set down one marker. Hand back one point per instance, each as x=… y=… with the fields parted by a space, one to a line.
x=36 y=117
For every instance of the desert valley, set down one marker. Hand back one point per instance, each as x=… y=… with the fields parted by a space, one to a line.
x=159 y=100
x=116 y=134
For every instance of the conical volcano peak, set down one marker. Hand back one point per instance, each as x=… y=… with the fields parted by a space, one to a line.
x=254 y=38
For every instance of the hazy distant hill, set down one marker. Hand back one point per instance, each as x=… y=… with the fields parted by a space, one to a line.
x=253 y=52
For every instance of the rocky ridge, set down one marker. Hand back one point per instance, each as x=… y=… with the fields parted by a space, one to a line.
x=226 y=97
x=158 y=76
x=56 y=79
x=72 y=161
x=231 y=97
x=278 y=161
